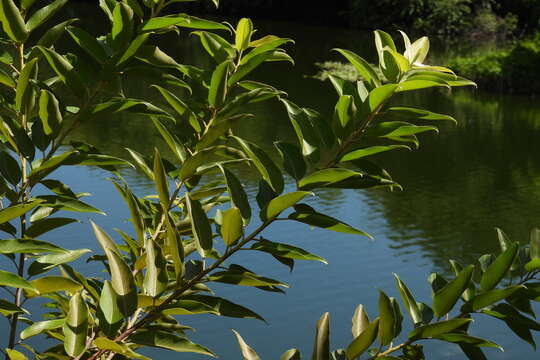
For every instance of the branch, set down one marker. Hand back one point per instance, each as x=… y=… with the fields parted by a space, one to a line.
x=154 y=313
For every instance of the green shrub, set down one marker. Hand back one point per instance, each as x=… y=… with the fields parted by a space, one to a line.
x=486 y=69
x=515 y=70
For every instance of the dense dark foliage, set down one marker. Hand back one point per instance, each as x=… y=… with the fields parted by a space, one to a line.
x=438 y=17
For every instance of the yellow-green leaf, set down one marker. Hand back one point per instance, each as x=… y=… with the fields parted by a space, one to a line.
x=12 y=21
x=244 y=30
x=76 y=326
x=232 y=226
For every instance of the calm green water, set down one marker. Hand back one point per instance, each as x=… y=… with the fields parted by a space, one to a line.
x=482 y=173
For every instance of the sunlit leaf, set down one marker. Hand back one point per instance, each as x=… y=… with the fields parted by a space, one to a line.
x=76 y=326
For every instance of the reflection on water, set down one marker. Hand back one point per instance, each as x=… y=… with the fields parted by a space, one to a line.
x=458 y=186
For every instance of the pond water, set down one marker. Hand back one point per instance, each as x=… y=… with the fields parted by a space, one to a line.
x=477 y=175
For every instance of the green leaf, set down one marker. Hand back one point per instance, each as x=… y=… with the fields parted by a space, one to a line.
x=518 y=323
x=200 y=226
x=372 y=150
x=326 y=177
x=418 y=114
x=445 y=298
x=182 y=20
x=133 y=49
x=13 y=280
x=103 y=238
x=109 y=313
x=410 y=85
x=53 y=34
x=471 y=290
x=218 y=85
x=243 y=277
x=8 y=309
x=267 y=168
x=65 y=71
x=49 y=112
x=401 y=63
x=248 y=66
x=408 y=301
x=308 y=215
x=382 y=40
x=154 y=56
x=218 y=129
x=293 y=162
x=51 y=284
x=135 y=212
x=364 y=340
x=52 y=260
x=395 y=129
x=7 y=80
x=499 y=268
x=509 y=314
x=285 y=251
x=263 y=45
x=171 y=140
x=76 y=326
x=188 y=307
x=418 y=50
x=15 y=355
x=129 y=105
x=532 y=265
x=141 y=163
x=238 y=195
x=225 y=307
x=14 y=211
x=123 y=282
x=360 y=321
x=460 y=338
x=122 y=278
x=321 y=346
x=387 y=320
x=48 y=166
x=12 y=21
x=40 y=327
x=365 y=70
x=216 y=46
x=21 y=246
x=9 y=168
x=122 y=26
x=232 y=226
x=174 y=248
x=438 y=328
x=180 y=107
x=345 y=111
x=23 y=94
x=487 y=298
x=165 y=340
x=197 y=159
x=156 y=278
x=309 y=139
x=45 y=13
x=103 y=343
x=88 y=43
x=281 y=203
x=291 y=354
x=378 y=97
x=244 y=30
x=68 y=204
x=161 y=181
x=247 y=352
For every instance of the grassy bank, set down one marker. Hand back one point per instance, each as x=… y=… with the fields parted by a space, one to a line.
x=514 y=70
